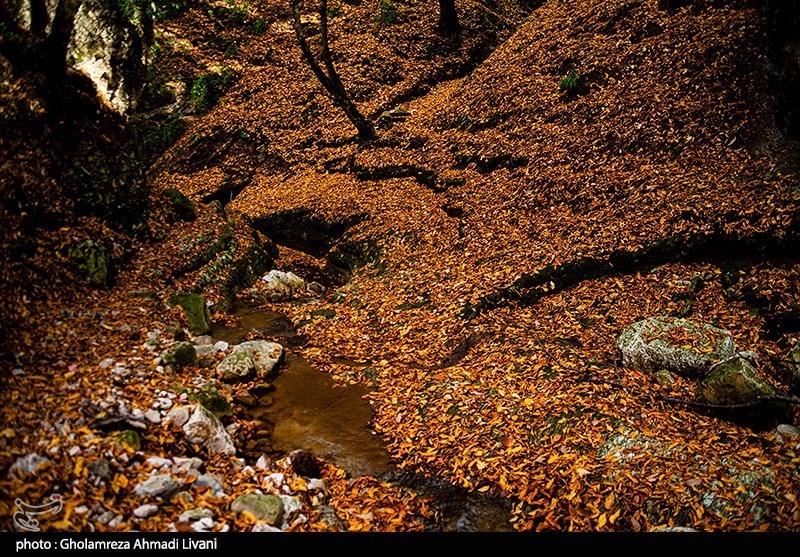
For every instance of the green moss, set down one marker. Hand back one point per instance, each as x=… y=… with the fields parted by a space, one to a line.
x=130 y=439
x=213 y=401
x=94 y=261
x=387 y=13
x=182 y=206
x=207 y=89
x=195 y=311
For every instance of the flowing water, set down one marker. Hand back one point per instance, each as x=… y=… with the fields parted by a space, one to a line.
x=303 y=409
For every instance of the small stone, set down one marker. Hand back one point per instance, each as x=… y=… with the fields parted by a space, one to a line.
x=105 y=518
x=73 y=451
x=264 y=462
x=101 y=469
x=17 y=371
x=163 y=402
x=183 y=465
x=212 y=482
x=178 y=416
x=664 y=377
x=159 y=462
x=107 y=363
x=786 y=431
x=264 y=527
x=162 y=485
x=203 y=340
x=672 y=529
x=204 y=350
x=316 y=484
x=290 y=504
x=276 y=477
x=329 y=517
x=195 y=514
x=116 y=521
x=268 y=508
x=221 y=346
x=153 y=416
x=145 y=511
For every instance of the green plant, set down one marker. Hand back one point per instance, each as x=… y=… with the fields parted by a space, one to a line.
x=569 y=83
x=165 y=10
x=387 y=13
x=334 y=12
x=206 y=89
x=162 y=136
x=259 y=26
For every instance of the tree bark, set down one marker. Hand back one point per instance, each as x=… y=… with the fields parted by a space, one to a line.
x=448 y=18
x=329 y=77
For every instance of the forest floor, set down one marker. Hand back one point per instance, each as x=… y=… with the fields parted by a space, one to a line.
x=488 y=173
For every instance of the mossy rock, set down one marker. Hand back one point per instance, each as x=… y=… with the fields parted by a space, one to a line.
x=182 y=206
x=237 y=366
x=678 y=345
x=94 y=261
x=215 y=402
x=180 y=354
x=268 y=508
x=195 y=311
x=129 y=438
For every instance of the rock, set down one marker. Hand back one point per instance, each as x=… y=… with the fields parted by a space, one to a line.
x=195 y=310
x=178 y=416
x=159 y=462
x=129 y=438
x=145 y=511
x=195 y=514
x=786 y=431
x=204 y=350
x=182 y=206
x=221 y=346
x=162 y=485
x=672 y=529
x=245 y=399
x=290 y=504
x=214 y=401
x=27 y=465
x=259 y=356
x=180 y=354
x=204 y=340
x=106 y=363
x=94 y=261
x=214 y=483
x=316 y=484
x=305 y=464
x=183 y=465
x=264 y=527
x=205 y=429
x=16 y=372
x=203 y=525
x=659 y=343
x=263 y=463
x=329 y=517
x=101 y=469
x=664 y=377
x=110 y=44
x=268 y=508
x=281 y=286
x=153 y=416
x=733 y=382
x=116 y=521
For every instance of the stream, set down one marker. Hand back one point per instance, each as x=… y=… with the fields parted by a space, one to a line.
x=303 y=409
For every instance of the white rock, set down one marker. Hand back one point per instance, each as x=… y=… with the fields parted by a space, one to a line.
x=73 y=450
x=195 y=514
x=27 y=465
x=205 y=429
x=162 y=485
x=279 y=285
x=107 y=363
x=178 y=416
x=276 y=477
x=316 y=483
x=116 y=521
x=163 y=402
x=221 y=346
x=145 y=511
x=159 y=462
x=264 y=527
x=263 y=463
x=183 y=465
x=153 y=416
x=17 y=371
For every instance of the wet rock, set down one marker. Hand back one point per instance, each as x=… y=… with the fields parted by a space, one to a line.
x=153 y=416
x=195 y=310
x=305 y=464
x=145 y=511
x=660 y=343
x=27 y=465
x=162 y=485
x=182 y=206
x=180 y=354
x=203 y=428
x=245 y=399
x=786 y=431
x=268 y=508
x=255 y=356
x=264 y=527
x=195 y=514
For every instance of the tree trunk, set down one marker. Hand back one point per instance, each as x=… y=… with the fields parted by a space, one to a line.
x=330 y=80
x=448 y=18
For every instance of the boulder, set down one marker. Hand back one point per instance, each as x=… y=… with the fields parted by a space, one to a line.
x=681 y=346
x=195 y=310
x=268 y=508
x=280 y=286
x=203 y=428
x=180 y=354
x=255 y=356
x=182 y=206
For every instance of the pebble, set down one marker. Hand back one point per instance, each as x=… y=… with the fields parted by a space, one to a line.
x=116 y=521
x=264 y=462
x=105 y=518
x=137 y=413
x=73 y=450
x=195 y=514
x=183 y=464
x=107 y=363
x=161 y=485
x=221 y=346
x=159 y=462
x=153 y=416
x=28 y=464
x=83 y=509
x=145 y=511
x=17 y=371
x=203 y=340
x=316 y=483
x=277 y=478
x=163 y=402
x=264 y=527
